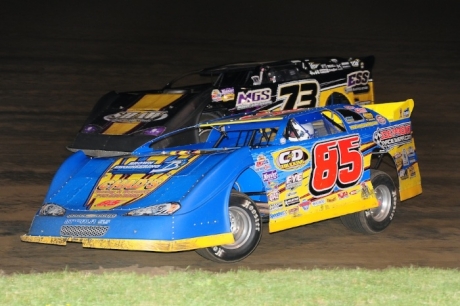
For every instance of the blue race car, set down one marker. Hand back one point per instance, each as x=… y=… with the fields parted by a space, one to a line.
x=210 y=187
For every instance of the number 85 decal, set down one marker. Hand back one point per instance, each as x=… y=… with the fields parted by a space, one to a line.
x=336 y=162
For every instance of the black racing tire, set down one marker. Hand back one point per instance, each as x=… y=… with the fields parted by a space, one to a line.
x=337 y=98
x=209 y=116
x=375 y=220
x=246 y=226
x=203 y=134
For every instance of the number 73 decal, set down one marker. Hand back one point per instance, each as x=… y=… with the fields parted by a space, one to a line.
x=298 y=94
x=335 y=163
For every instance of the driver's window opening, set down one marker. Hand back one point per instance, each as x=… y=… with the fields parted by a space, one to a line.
x=251 y=138
x=309 y=129
x=296 y=131
x=333 y=123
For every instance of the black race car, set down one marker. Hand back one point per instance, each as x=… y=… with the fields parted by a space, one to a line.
x=120 y=122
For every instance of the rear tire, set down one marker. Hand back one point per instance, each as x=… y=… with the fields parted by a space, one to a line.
x=203 y=134
x=376 y=219
x=337 y=98
x=246 y=227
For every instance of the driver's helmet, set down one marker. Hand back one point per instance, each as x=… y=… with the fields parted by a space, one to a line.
x=304 y=131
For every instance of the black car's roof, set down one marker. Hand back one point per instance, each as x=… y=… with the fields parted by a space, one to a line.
x=241 y=66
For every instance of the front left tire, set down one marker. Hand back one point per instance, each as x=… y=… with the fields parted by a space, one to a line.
x=246 y=227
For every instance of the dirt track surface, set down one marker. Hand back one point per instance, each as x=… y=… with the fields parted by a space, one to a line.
x=57 y=58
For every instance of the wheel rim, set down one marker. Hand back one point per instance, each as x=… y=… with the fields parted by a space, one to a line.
x=203 y=135
x=241 y=227
x=383 y=195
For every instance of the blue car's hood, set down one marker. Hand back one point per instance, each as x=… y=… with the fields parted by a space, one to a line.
x=85 y=183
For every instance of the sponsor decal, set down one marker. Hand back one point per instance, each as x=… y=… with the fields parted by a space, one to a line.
x=136 y=116
x=273 y=195
x=291 y=201
x=81 y=221
x=332 y=199
x=253 y=98
x=353 y=192
x=411 y=151
x=403 y=174
x=355 y=63
x=87 y=221
x=360 y=110
x=368 y=116
x=358 y=89
x=109 y=203
x=130 y=179
x=318 y=202
x=399 y=162
x=294 y=180
x=381 y=120
x=405 y=158
x=277 y=215
x=305 y=205
x=292 y=158
x=363 y=102
x=91 y=216
x=270 y=175
x=350 y=119
x=223 y=95
x=363 y=125
x=294 y=211
x=411 y=171
x=404 y=113
x=150 y=166
x=262 y=163
x=393 y=136
x=313 y=65
x=273 y=185
x=342 y=195
x=365 y=192
x=276 y=206
x=357 y=81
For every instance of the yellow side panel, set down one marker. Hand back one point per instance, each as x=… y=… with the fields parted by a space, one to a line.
x=366 y=98
x=154 y=102
x=353 y=199
x=410 y=181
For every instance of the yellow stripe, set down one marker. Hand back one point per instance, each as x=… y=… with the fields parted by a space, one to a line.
x=224 y=122
x=120 y=128
x=138 y=244
x=149 y=102
x=154 y=101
